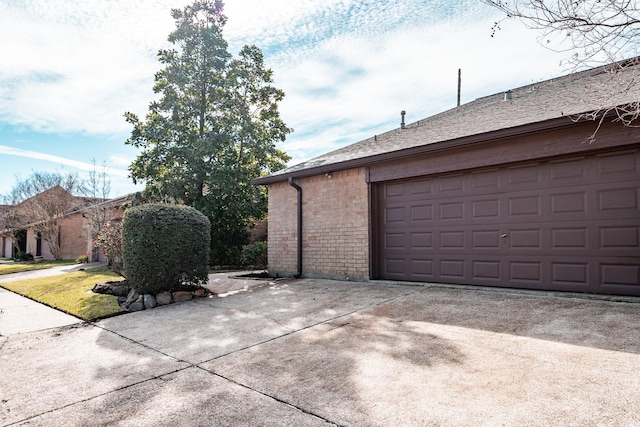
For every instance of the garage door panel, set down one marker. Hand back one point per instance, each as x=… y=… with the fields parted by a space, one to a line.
x=486 y=269
x=392 y=191
x=620 y=237
x=620 y=274
x=395 y=241
x=422 y=268
x=618 y=199
x=573 y=238
x=451 y=184
x=452 y=269
x=489 y=208
x=524 y=174
x=527 y=239
x=395 y=266
x=451 y=210
x=524 y=206
x=486 y=180
x=452 y=240
x=570 y=273
x=622 y=164
x=421 y=212
x=485 y=239
x=421 y=240
x=570 y=170
x=571 y=202
x=421 y=186
x=530 y=271
x=394 y=214
x=568 y=224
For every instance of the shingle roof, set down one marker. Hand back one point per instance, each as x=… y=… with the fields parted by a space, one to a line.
x=564 y=97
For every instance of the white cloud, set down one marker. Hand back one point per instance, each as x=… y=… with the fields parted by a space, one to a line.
x=350 y=88
x=11 y=151
x=348 y=66
x=79 y=65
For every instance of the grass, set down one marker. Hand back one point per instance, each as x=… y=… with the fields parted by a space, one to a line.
x=71 y=293
x=19 y=267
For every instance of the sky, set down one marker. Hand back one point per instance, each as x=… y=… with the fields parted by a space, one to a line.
x=70 y=69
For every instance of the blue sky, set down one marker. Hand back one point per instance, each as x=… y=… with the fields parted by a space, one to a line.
x=71 y=68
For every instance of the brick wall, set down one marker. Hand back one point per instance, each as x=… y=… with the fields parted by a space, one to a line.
x=335 y=226
x=74 y=239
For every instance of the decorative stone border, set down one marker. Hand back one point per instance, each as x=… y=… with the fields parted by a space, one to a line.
x=130 y=300
x=137 y=302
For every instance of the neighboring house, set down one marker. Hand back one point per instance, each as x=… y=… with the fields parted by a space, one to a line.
x=74 y=230
x=506 y=190
x=5 y=240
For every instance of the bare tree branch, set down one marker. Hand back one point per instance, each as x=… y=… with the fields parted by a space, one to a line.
x=593 y=33
x=40 y=201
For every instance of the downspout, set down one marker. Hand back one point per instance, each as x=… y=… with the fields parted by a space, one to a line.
x=299 y=189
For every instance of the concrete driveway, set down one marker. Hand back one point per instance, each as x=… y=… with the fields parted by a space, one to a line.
x=317 y=352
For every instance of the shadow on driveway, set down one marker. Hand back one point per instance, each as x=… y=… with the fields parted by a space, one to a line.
x=319 y=352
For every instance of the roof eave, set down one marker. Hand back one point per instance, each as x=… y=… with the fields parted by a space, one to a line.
x=529 y=128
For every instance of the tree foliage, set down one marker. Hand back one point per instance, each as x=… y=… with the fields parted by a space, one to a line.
x=213 y=128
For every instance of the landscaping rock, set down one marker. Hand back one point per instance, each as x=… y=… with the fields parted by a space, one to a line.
x=136 y=306
x=199 y=293
x=182 y=296
x=163 y=298
x=119 y=288
x=149 y=301
x=132 y=297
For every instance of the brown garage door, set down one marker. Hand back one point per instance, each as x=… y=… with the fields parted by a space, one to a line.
x=564 y=224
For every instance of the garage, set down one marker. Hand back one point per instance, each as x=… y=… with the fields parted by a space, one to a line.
x=567 y=223
x=536 y=187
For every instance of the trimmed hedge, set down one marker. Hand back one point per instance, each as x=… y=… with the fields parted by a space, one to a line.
x=165 y=247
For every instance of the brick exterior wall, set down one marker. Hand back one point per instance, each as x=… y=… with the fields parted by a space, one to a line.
x=74 y=237
x=335 y=226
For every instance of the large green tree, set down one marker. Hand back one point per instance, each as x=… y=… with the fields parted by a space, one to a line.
x=213 y=129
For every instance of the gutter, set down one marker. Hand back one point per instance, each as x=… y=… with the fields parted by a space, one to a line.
x=299 y=220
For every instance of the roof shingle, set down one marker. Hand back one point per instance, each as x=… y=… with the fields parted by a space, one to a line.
x=568 y=96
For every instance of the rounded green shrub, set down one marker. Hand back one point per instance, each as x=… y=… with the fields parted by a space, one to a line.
x=165 y=247
x=255 y=254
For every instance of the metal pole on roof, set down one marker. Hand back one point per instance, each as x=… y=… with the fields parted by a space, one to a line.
x=459 y=84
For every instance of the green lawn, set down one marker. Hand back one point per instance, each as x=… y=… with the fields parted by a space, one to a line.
x=71 y=293
x=19 y=267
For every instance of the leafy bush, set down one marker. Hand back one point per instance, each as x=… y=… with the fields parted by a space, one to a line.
x=165 y=247
x=23 y=256
x=82 y=259
x=255 y=254
x=109 y=239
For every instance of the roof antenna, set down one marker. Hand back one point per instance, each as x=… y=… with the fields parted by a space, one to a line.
x=459 y=83
x=402 y=113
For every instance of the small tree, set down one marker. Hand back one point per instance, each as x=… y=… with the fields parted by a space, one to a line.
x=109 y=239
x=165 y=247
x=97 y=214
